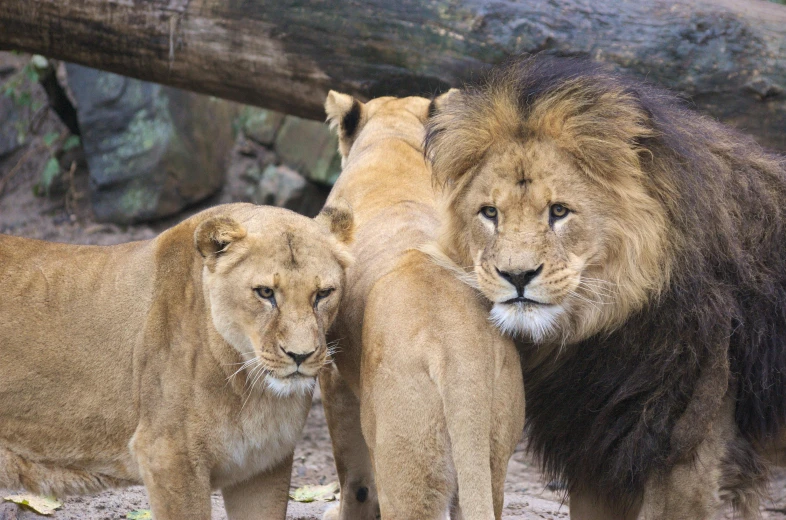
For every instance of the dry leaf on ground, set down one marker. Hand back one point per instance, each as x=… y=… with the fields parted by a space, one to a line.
x=41 y=505
x=326 y=493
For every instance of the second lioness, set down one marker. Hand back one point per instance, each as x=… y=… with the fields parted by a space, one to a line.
x=436 y=387
x=185 y=362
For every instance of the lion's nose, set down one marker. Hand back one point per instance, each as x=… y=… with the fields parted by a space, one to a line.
x=299 y=358
x=520 y=279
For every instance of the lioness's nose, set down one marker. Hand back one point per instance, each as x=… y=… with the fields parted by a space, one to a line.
x=520 y=279
x=299 y=358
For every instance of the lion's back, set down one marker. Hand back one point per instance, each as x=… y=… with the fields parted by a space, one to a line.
x=62 y=384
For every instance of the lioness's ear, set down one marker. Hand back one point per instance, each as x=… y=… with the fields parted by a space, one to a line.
x=338 y=218
x=345 y=113
x=439 y=102
x=213 y=236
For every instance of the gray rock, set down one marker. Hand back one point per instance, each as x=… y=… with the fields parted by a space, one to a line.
x=284 y=187
x=11 y=138
x=151 y=150
x=311 y=148
x=260 y=125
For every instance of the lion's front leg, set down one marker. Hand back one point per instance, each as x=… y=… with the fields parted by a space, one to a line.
x=177 y=484
x=263 y=496
x=587 y=507
x=691 y=490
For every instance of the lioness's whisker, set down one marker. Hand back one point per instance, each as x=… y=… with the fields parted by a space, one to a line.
x=262 y=371
x=242 y=366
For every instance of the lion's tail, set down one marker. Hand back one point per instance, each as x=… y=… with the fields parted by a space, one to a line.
x=17 y=472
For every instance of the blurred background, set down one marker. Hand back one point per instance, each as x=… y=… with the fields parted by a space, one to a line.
x=92 y=151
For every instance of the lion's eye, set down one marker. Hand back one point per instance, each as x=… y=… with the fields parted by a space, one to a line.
x=321 y=295
x=558 y=211
x=490 y=212
x=266 y=293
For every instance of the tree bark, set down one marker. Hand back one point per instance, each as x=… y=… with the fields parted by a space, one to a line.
x=728 y=56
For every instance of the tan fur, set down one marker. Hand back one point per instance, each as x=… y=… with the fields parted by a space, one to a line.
x=156 y=362
x=430 y=380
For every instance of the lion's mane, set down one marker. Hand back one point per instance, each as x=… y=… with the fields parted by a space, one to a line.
x=607 y=412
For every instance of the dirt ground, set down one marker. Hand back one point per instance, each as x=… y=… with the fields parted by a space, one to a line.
x=67 y=218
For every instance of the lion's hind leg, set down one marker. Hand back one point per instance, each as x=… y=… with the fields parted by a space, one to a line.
x=342 y=411
x=16 y=472
x=410 y=447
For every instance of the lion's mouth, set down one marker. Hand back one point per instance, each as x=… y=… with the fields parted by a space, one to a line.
x=522 y=299
x=297 y=374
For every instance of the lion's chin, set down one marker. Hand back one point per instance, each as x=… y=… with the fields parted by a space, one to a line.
x=534 y=322
x=295 y=384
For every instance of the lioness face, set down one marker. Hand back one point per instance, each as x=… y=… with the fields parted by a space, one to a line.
x=273 y=294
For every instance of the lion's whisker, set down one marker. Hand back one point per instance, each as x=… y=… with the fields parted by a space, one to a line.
x=594 y=303
x=599 y=291
x=597 y=281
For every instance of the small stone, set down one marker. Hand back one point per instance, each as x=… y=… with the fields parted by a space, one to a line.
x=282 y=186
x=260 y=125
x=311 y=148
x=764 y=87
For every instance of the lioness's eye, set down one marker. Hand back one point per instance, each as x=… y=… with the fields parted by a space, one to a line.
x=321 y=295
x=490 y=212
x=558 y=211
x=266 y=293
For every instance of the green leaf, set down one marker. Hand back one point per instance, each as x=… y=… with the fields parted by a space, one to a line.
x=326 y=493
x=50 y=173
x=50 y=138
x=41 y=505
x=31 y=74
x=24 y=99
x=72 y=142
x=140 y=514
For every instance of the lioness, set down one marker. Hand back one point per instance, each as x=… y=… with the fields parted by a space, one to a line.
x=639 y=251
x=185 y=362
x=436 y=388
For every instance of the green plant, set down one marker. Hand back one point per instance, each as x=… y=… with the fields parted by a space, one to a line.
x=54 y=143
x=18 y=88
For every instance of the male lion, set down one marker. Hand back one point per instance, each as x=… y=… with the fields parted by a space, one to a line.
x=185 y=362
x=639 y=250
x=436 y=388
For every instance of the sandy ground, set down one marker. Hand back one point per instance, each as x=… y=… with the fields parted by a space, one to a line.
x=67 y=218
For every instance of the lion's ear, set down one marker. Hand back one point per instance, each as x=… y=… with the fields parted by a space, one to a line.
x=438 y=103
x=339 y=220
x=213 y=236
x=345 y=113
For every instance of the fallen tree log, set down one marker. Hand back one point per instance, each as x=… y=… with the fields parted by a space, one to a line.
x=729 y=56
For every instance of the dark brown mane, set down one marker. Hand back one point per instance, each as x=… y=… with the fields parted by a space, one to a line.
x=615 y=409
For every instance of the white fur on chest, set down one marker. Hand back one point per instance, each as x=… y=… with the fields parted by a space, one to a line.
x=265 y=434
